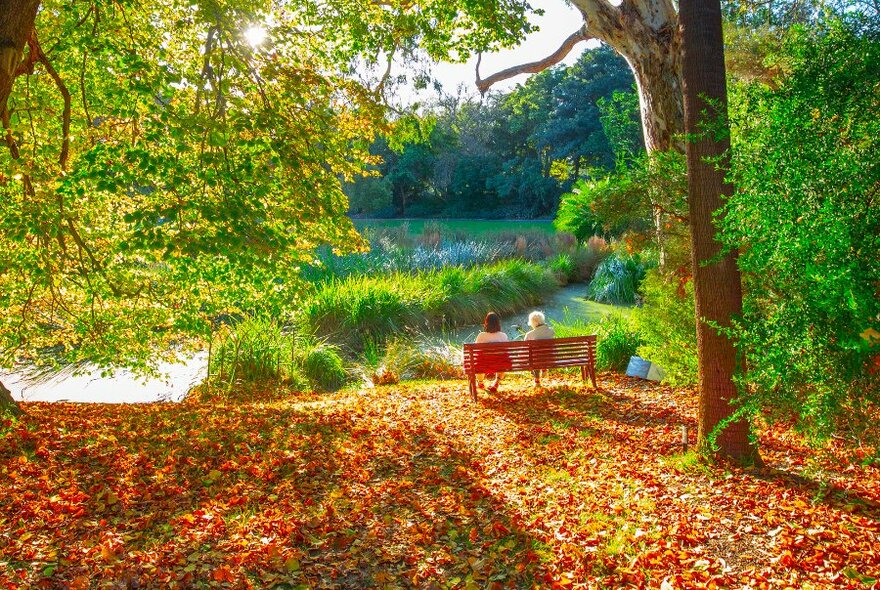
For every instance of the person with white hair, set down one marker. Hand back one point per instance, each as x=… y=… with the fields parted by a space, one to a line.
x=539 y=331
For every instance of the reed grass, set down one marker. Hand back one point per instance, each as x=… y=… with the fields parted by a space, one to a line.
x=258 y=350
x=359 y=312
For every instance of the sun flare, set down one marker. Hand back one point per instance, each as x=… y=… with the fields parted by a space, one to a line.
x=255 y=35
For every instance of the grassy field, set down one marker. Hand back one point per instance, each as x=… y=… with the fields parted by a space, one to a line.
x=414 y=486
x=473 y=228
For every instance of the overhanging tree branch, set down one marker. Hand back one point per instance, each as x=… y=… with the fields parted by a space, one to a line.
x=65 y=94
x=483 y=84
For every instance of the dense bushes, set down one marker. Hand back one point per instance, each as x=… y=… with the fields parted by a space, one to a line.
x=667 y=326
x=807 y=222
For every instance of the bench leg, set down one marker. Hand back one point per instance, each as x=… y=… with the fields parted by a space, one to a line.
x=593 y=375
x=584 y=373
x=472 y=386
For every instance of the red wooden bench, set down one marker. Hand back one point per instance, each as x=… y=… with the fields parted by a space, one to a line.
x=526 y=355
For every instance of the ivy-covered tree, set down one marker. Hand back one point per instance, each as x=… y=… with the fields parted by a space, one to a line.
x=806 y=157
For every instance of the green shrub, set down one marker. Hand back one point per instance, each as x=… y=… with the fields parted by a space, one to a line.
x=577 y=209
x=617 y=279
x=666 y=323
x=323 y=367
x=617 y=339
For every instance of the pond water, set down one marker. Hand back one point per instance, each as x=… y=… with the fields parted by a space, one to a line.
x=175 y=380
x=566 y=305
x=473 y=228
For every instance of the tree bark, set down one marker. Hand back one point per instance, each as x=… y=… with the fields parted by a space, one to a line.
x=717 y=283
x=16 y=23
x=646 y=34
x=658 y=81
x=7 y=404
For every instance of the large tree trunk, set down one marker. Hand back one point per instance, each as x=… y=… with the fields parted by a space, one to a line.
x=717 y=285
x=646 y=34
x=16 y=23
x=7 y=404
x=655 y=60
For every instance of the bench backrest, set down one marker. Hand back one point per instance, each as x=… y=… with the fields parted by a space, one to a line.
x=521 y=355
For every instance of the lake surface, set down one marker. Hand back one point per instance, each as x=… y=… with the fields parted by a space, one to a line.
x=474 y=229
x=123 y=387
x=566 y=305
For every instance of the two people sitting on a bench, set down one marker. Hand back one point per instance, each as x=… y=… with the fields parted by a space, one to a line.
x=492 y=332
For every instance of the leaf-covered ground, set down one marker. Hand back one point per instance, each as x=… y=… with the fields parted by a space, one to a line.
x=415 y=486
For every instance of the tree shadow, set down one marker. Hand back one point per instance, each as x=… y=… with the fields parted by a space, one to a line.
x=607 y=412
x=168 y=493
x=830 y=495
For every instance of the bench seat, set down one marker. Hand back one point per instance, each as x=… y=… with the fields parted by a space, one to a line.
x=527 y=355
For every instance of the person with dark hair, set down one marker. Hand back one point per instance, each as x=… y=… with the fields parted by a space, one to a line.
x=492 y=332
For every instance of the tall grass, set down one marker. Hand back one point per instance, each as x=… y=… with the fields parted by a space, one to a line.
x=258 y=350
x=363 y=311
x=254 y=350
x=387 y=256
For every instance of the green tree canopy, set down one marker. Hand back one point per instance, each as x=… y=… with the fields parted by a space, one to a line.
x=161 y=172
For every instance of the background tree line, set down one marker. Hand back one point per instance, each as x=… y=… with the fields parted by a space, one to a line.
x=510 y=155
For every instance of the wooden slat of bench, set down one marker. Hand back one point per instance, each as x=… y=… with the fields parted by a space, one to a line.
x=522 y=355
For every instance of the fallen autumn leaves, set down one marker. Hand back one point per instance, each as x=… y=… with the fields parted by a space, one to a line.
x=413 y=485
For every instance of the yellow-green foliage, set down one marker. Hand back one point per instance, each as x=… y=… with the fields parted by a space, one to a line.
x=667 y=326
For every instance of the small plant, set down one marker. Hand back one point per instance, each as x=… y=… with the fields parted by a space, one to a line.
x=323 y=367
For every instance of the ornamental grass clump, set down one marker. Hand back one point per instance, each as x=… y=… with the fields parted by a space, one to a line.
x=254 y=350
x=259 y=350
x=358 y=311
x=420 y=358
x=617 y=279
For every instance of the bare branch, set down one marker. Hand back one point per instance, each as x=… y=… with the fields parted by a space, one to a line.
x=65 y=94
x=380 y=87
x=483 y=84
